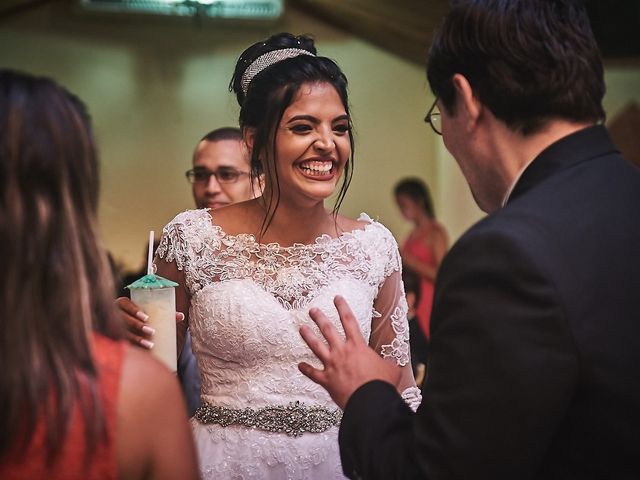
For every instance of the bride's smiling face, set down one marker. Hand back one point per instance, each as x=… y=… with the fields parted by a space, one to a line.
x=312 y=144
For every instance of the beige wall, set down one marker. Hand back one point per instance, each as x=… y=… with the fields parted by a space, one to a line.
x=153 y=88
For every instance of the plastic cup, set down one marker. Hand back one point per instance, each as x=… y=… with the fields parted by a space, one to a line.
x=156 y=297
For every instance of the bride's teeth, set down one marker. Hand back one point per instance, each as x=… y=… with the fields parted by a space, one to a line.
x=317 y=168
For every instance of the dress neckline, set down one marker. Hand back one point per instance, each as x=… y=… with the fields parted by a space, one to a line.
x=322 y=240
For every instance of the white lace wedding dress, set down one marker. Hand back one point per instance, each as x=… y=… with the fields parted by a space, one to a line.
x=247 y=302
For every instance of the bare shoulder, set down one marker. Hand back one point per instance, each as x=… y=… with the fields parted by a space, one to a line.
x=152 y=421
x=237 y=218
x=438 y=239
x=145 y=381
x=140 y=368
x=347 y=224
x=439 y=229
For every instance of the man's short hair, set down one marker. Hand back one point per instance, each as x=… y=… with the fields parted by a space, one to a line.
x=220 y=134
x=224 y=133
x=528 y=61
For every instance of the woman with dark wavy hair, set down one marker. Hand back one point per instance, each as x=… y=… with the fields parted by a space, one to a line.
x=251 y=272
x=76 y=402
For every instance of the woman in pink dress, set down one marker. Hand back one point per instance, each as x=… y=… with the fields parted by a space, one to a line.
x=425 y=246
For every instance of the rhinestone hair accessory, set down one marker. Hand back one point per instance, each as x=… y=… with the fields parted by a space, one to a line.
x=266 y=60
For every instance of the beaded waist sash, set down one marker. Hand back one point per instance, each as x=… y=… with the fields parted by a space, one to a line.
x=293 y=419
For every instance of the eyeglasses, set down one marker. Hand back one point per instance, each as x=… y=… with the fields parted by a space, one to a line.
x=223 y=175
x=433 y=118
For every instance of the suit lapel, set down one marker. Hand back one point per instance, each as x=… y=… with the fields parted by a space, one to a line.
x=581 y=146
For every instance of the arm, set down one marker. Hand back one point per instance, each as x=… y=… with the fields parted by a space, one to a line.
x=390 y=334
x=154 y=440
x=172 y=258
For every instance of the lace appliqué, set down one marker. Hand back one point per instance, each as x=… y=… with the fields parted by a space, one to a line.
x=413 y=397
x=399 y=347
x=292 y=275
x=174 y=246
x=247 y=454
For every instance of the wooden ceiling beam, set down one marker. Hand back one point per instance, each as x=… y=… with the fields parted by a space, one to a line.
x=15 y=7
x=404 y=27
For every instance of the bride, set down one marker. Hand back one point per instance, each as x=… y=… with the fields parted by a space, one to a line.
x=250 y=272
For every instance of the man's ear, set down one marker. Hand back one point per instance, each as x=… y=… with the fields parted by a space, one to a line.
x=466 y=101
x=248 y=134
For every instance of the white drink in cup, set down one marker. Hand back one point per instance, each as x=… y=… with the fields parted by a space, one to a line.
x=160 y=304
x=156 y=296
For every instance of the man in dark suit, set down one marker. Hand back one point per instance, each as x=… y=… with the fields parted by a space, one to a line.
x=534 y=362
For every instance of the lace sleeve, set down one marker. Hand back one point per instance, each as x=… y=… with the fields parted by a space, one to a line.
x=173 y=245
x=390 y=328
x=172 y=261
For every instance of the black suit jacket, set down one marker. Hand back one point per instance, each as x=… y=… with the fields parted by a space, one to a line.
x=534 y=362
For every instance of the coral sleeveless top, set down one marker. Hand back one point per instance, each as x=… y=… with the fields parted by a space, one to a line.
x=71 y=463
x=416 y=246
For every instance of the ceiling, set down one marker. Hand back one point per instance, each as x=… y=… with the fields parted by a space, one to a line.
x=12 y=7
x=405 y=27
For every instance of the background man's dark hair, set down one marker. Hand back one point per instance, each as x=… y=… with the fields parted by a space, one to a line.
x=224 y=133
x=528 y=61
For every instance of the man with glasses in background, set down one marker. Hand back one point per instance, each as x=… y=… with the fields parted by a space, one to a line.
x=220 y=173
x=220 y=176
